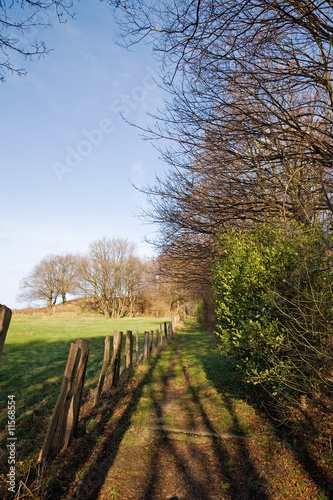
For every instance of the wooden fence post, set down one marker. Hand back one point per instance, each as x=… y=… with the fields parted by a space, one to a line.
x=145 y=346
x=64 y=420
x=151 y=341
x=84 y=346
x=5 y=317
x=137 y=346
x=161 y=333
x=157 y=338
x=129 y=351
x=106 y=359
x=66 y=388
x=116 y=359
x=165 y=330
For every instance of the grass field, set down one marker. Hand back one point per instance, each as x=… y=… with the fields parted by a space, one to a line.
x=33 y=363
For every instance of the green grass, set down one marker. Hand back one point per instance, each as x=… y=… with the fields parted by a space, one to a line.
x=223 y=399
x=33 y=363
x=153 y=391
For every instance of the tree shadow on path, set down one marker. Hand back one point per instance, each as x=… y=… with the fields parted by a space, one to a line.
x=227 y=381
x=240 y=483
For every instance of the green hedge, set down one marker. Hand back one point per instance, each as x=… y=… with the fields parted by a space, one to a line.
x=274 y=304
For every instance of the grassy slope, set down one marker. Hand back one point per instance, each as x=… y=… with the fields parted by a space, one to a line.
x=33 y=363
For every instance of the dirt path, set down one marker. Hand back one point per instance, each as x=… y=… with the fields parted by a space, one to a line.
x=176 y=454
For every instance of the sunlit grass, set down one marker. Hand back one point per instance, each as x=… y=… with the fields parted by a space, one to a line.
x=34 y=360
x=217 y=388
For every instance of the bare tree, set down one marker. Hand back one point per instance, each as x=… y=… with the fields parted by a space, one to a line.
x=95 y=273
x=111 y=273
x=66 y=271
x=133 y=273
x=249 y=120
x=20 y=20
x=123 y=274
x=166 y=288
x=54 y=276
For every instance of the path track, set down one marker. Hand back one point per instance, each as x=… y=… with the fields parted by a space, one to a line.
x=177 y=455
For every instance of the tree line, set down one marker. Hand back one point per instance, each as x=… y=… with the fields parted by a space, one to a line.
x=110 y=273
x=245 y=204
x=249 y=119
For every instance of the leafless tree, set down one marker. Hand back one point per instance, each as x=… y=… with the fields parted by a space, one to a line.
x=250 y=115
x=66 y=271
x=111 y=273
x=54 y=276
x=20 y=21
x=133 y=276
x=166 y=289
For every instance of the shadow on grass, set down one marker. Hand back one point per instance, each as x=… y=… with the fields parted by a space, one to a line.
x=228 y=381
x=193 y=465
x=108 y=441
x=33 y=373
x=197 y=488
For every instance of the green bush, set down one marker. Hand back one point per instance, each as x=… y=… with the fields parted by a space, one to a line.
x=274 y=304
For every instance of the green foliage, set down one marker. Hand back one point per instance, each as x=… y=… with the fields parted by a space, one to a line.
x=271 y=312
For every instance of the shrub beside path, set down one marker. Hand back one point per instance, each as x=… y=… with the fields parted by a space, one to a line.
x=194 y=435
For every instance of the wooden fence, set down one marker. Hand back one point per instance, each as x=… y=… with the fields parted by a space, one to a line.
x=64 y=420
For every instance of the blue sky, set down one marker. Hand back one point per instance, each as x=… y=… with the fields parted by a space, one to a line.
x=67 y=157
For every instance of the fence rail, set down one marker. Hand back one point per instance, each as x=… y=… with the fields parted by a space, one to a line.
x=64 y=420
